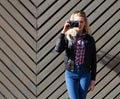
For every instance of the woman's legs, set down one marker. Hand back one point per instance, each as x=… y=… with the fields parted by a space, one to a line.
x=77 y=83
x=72 y=84
x=85 y=80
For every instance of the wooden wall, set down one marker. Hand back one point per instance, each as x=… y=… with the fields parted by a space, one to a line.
x=29 y=66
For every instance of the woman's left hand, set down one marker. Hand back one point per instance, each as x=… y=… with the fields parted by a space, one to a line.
x=92 y=85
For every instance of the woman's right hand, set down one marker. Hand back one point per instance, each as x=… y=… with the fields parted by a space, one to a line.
x=66 y=26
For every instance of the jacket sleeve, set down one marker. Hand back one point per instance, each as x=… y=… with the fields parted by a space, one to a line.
x=93 y=64
x=60 y=44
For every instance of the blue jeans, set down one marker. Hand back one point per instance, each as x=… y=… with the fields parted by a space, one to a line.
x=77 y=82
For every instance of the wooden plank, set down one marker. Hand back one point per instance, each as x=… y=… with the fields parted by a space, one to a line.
x=17 y=61
x=110 y=86
x=105 y=71
x=16 y=15
x=58 y=93
x=44 y=73
x=9 y=85
x=30 y=7
x=16 y=38
x=20 y=86
x=37 y=2
x=102 y=53
x=53 y=88
x=64 y=96
x=107 y=68
x=19 y=74
x=99 y=87
x=109 y=46
x=50 y=78
x=17 y=27
x=46 y=49
x=99 y=66
x=45 y=6
x=18 y=51
x=49 y=58
x=2 y=96
x=114 y=51
x=50 y=12
x=106 y=26
x=107 y=59
x=111 y=43
x=6 y=94
x=107 y=36
x=21 y=9
x=93 y=6
x=116 y=90
x=100 y=10
x=34 y=2
x=118 y=96
x=83 y=4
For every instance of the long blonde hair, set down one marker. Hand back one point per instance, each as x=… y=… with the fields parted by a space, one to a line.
x=82 y=14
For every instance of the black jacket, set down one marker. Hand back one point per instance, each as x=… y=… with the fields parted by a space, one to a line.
x=90 y=53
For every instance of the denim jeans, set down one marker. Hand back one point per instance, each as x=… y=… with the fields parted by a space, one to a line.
x=77 y=82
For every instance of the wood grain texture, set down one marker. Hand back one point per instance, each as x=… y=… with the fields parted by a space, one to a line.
x=31 y=69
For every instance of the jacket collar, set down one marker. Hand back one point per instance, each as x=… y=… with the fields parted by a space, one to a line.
x=83 y=35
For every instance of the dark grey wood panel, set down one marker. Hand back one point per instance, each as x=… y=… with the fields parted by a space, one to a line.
x=31 y=69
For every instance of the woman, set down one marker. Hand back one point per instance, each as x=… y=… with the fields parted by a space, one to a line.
x=80 y=55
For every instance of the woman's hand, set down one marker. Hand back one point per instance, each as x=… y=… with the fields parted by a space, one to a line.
x=66 y=26
x=92 y=85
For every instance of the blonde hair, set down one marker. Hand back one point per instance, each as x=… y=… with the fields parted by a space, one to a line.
x=71 y=34
x=82 y=14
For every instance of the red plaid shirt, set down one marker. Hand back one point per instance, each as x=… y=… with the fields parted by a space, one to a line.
x=79 y=51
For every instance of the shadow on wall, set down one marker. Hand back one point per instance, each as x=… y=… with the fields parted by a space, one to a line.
x=111 y=61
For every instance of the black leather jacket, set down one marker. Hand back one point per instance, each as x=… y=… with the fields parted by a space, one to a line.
x=90 y=53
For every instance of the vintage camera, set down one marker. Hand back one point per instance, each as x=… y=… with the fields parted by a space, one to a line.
x=74 y=23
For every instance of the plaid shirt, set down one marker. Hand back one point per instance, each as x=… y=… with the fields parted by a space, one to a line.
x=79 y=51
